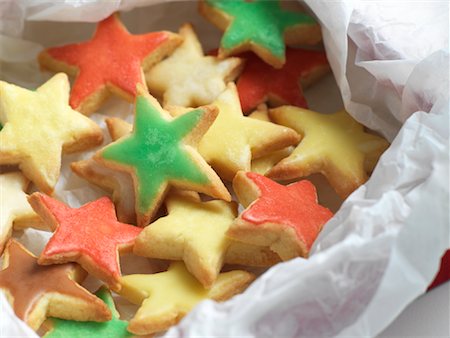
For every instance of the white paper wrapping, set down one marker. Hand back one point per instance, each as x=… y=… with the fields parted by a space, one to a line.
x=382 y=249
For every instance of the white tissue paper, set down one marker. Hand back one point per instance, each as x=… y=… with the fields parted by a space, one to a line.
x=390 y=60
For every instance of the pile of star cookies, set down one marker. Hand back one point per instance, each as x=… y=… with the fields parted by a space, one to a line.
x=202 y=129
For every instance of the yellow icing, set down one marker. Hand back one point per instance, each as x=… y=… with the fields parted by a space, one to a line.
x=193 y=231
x=188 y=78
x=229 y=142
x=331 y=143
x=37 y=124
x=175 y=292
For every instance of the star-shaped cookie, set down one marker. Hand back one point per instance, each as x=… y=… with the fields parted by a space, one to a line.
x=14 y=207
x=168 y=296
x=193 y=231
x=40 y=125
x=260 y=82
x=36 y=292
x=333 y=144
x=188 y=78
x=234 y=140
x=112 y=61
x=260 y=26
x=89 y=235
x=114 y=328
x=160 y=152
x=287 y=219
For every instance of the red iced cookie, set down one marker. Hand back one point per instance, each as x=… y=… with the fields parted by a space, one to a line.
x=112 y=61
x=288 y=219
x=260 y=82
x=89 y=235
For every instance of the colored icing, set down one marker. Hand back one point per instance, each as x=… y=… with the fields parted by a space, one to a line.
x=28 y=282
x=91 y=230
x=114 y=328
x=39 y=153
x=294 y=206
x=259 y=80
x=167 y=296
x=155 y=151
x=333 y=144
x=193 y=231
x=113 y=56
x=14 y=204
x=261 y=22
x=229 y=142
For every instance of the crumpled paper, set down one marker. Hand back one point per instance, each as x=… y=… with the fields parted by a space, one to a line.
x=381 y=250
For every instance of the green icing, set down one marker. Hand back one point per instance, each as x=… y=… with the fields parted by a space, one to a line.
x=155 y=151
x=114 y=328
x=262 y=22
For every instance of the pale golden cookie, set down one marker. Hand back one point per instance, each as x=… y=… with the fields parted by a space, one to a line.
x=234 y=139
x=188 y=78
x=333 y=144
x=15 y=211
x=40 y=125
x=36 y=292
x=166 y=297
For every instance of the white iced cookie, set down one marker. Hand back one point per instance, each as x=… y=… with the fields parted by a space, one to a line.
x=188 y=78
x=14 y=207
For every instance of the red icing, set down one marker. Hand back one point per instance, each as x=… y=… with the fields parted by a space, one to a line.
x=294 y=206
x=112 y=56
x=444 y=273
x=259 y=79
x=91 y=230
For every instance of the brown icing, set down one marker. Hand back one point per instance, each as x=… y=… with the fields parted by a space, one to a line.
x=28 y=282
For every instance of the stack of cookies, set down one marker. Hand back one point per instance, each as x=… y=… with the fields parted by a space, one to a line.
x=210 y=133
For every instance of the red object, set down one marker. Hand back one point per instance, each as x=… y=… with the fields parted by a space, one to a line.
x=444 y=273
x=275 y=205
x=91 y=231
x=259 y=81
x=112 y=57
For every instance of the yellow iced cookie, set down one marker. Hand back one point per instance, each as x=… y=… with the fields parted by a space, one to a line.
x=168 y=296
x=333 y=144
x=40 y=125
x=193 y=231
x=188 y=78
x=234 y=139
x=14 y=207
